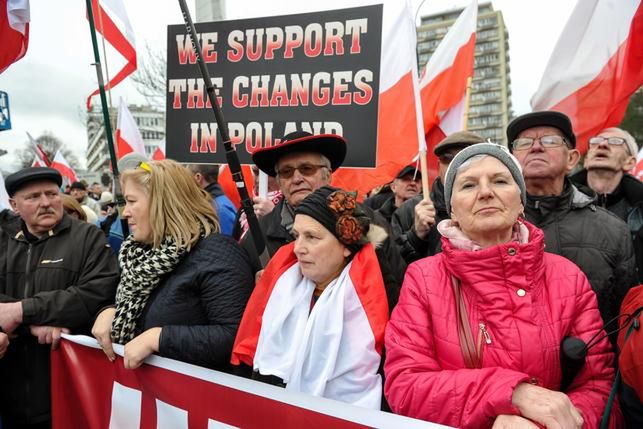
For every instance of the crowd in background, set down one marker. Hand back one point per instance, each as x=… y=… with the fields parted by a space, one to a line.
x=505 y=298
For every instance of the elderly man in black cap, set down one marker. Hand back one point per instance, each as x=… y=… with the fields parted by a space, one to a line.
x=413 y=223
x=407 y=184
x=57 y=273
x=78 y=191
x=593 y=238
x=303 y=163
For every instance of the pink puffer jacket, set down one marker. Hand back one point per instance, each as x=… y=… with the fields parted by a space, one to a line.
x=521 y=302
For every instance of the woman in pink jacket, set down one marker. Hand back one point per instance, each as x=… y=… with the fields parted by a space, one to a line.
x=475 y=339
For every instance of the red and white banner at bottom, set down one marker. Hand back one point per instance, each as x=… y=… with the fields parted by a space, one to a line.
x=89 y=391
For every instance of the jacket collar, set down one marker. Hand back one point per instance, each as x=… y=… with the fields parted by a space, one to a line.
x=629 y=188
x=16 y=229
x=509 y=265
x=214 y=189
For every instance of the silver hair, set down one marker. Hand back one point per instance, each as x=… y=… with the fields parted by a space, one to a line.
x=465 y=166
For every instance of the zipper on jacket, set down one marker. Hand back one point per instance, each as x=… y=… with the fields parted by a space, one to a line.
x=28 y=271
x=483 y=334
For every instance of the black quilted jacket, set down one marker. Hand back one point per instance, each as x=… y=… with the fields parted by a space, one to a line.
x=200 y=304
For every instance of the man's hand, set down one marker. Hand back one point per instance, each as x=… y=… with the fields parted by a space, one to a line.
x=549 y=408
x=424 y=218
x=504 y=421
x=48 y=334
x=102 y=331
x=10 y=316
x=141 y=347
x=262 y=206
x=4 y=344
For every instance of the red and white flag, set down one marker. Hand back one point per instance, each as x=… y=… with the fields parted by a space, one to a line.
x=113 y=23
x=638 y=169
x=38 y=162
x=596 y=66
x=128 y=136
x=280 y=335
x=14 y=31
x=399 y=131
x=60 y=163
x=444 y=79
x=159 y=153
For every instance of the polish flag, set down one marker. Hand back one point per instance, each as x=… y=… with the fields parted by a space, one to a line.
x=38 y=162
x=60 y=163
x=105 y=20
x=159 y=153
x=444 y=82
x=399 y=132
x=229 y=186
x=638 y=169
x=14 y=31
x=347 y=322
x=596 y=66
x=128 y=137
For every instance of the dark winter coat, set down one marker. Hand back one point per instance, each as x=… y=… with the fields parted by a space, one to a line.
x=63 y=279
x=626 y=202
x=410 y=245
x=200 y=304
x=591 y=237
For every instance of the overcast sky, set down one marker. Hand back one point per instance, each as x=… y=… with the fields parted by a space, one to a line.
x=48 y=87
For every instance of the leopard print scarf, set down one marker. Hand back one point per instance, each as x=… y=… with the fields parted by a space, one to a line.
x=142 y=270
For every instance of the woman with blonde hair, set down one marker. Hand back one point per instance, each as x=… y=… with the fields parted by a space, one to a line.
x=184 y=286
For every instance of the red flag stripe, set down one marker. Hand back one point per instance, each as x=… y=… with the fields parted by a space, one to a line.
x=116 y=38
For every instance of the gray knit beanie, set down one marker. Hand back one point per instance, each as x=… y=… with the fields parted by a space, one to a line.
x=492 y=149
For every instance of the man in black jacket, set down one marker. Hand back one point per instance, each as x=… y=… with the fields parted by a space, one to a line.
x=611 y=155
x=414 y=221
x=301 y=164
x=406 y=185
x=593 y=238
x=56 y=274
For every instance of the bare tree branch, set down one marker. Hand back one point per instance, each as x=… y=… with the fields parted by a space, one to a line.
x=150 y=76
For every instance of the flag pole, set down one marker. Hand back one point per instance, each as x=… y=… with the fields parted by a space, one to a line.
x=467 y=100
x=258 y=237
x=118 y=194
x=102 y=38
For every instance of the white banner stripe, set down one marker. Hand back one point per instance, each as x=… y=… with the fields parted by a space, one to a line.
x=325 y=406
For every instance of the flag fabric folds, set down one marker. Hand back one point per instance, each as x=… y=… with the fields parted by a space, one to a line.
x=444 y=81
x=397 y=131
x=60 y=163
x=14 y=31
x=122 y=41
x=596 y=66
x=128 y=136
x=279 y=332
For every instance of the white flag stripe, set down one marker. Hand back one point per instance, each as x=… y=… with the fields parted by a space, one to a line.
x=118 y=9
x=128 y=132
x=592 y=48
x=458 y=35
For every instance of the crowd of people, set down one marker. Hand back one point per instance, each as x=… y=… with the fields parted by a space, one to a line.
x=505 y=298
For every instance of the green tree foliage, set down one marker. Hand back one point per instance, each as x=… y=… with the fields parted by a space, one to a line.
x=633 y=119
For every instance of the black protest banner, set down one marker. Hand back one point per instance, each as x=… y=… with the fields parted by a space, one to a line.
x=316 y=72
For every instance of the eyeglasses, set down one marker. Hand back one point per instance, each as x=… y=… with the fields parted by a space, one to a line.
x=616 y=141
x=525 y=143
x=306 y=170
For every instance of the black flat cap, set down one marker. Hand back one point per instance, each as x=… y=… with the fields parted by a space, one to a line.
x=331 y=146
x=14 y=182
x=546 y=118
x=78 y=185
x=460 y=139
x=409 y=170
